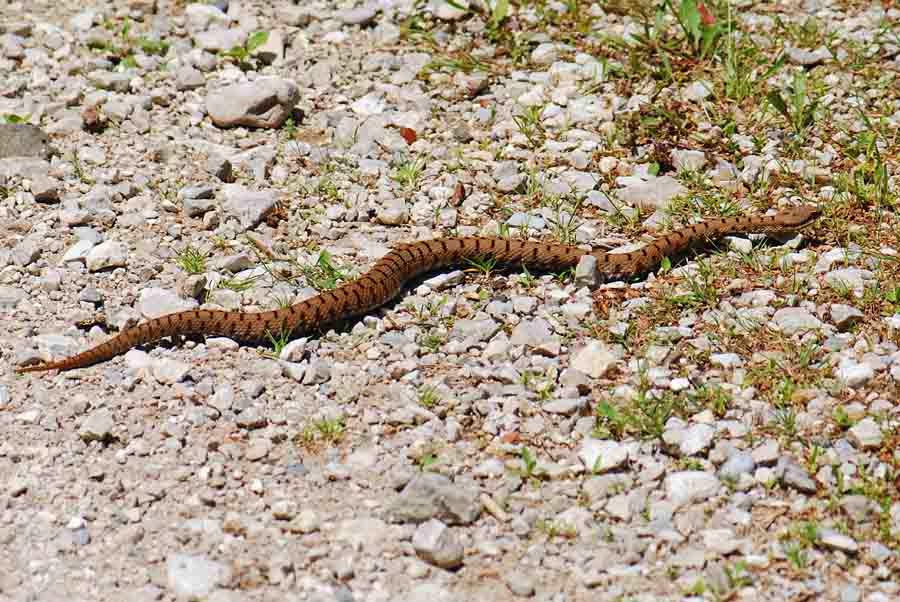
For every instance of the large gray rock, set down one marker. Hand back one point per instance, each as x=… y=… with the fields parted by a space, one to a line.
x=431 y=495
x=23 y=140
x=264 y=103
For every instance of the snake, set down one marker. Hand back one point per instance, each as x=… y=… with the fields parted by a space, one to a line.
x=386 y=279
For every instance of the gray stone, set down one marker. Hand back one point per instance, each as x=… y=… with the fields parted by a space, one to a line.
x=114 y=82
x=97 y=426
x=220 y=167
x=23 y=140
x=249 y=206
x=586 y=273
x=690 y=486
x=688 y=160
x=600 y=456
x=852 y=279
x=169 y=371
x=27 y=251
x=807 y=58
x=10 y=296
x=108 y=254
x=45 y=189
x=688 y=441
x=189 y=78
x=437 y=544
x=738 y=464
x=520 y=583
x=531 y=332
x=866 y=435
x=654 y=193
x=264 y=103
x=78 y=252
x=431 y=495
x=795 y=320
x=393 y=213
x=794 y=475
x=834 y=540
x=845 y=316
x=220 y=39
x=195 y=577
x=595 y=359
x=852 y=373
x=154 y=302
x=272 y=49
x=362 y=15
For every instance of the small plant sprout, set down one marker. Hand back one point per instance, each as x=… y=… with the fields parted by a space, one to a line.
x=191 y=260
x=409 y=172
x=241 y=54
x=428 y=396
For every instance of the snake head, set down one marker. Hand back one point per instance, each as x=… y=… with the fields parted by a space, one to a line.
x=799 y=217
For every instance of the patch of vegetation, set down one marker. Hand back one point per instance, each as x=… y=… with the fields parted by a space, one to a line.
x=191 y=260
x=324 y=275
x=242 y=54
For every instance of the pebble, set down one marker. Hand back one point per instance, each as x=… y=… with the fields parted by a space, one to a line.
x=97 y=426
x=434 y=496
x=247 y=205
x=602 y=456
x=435 y=543
x=595 y=359
x=795 y=320
x=690 y=486
x=264 y=103
x=865 y=435
x=194 y=576
x=108 y=254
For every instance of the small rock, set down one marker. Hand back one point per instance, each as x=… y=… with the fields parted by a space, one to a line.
x=688 y=160
x=738 y=464
x=436 y=544
x=586 y=273
x=794 y=475
x=431 y=495
x=594 y=359
x=531 y=332
x=108 y=254
x=249 y=206
x=845 y=316
x=690 y=486
x=220 y=167
x=520 y=584
x=654 y=193
x=689 y=441
x=23 y=140
x=794 y=320
x=852 y=373
x=830 y=538
x=393 y=213
x=865 y=435
x=45 y=189
x=97 y=426
x=189 y=78
x=265 y=103
x=195 y=577
x=600 y=456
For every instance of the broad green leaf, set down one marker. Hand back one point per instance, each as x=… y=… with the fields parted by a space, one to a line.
x=256 y=40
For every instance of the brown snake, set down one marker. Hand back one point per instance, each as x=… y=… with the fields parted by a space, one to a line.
x=389 y=274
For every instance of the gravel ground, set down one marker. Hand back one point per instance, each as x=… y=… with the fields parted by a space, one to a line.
x=723 y=429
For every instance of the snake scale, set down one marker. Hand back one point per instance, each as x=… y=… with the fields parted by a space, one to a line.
x=385 y=280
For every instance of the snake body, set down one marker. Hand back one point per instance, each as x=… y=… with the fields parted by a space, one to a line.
x=385 y=280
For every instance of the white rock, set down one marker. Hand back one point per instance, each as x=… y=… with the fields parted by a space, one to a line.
x=690 y=486
x=600 y=456
x=594 y=359
x=108 y=254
